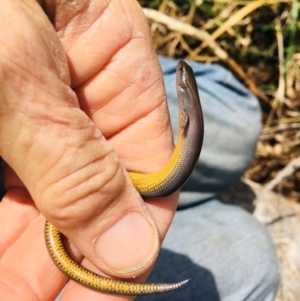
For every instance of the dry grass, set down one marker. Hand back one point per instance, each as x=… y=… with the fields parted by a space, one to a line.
x=257 y=41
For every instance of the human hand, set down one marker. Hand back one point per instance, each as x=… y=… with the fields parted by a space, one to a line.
x=96 y=71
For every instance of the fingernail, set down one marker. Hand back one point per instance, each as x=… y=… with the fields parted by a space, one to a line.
x=129 y=244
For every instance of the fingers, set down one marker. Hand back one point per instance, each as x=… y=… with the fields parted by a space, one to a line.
x=16 y=213
x=56 y=149
x=126 y=100
x=70 y=170
x=117 y=77
x=26 y=271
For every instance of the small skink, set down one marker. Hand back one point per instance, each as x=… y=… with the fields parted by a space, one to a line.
x=158 y=184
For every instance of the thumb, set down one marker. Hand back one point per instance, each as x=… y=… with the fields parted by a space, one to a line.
x=77 y=182
x=70 y=170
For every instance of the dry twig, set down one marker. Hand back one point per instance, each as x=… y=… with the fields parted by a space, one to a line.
x=202 y=35
x=287 y=171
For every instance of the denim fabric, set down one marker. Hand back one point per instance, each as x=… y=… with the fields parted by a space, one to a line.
x=227 y=254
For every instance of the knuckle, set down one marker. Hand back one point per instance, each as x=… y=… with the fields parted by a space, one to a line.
x=85 y=193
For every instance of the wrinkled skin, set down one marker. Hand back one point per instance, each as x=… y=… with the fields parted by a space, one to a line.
x=82 y=99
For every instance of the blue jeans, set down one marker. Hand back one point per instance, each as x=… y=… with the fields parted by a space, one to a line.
x=228 y=255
